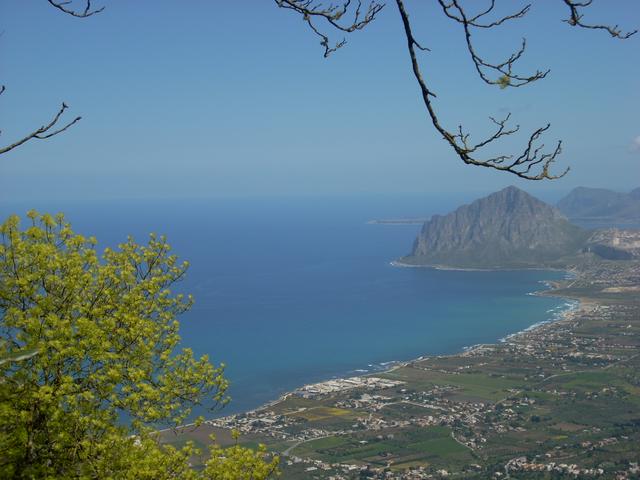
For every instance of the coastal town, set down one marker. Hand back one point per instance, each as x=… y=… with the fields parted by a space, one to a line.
x=561 y=399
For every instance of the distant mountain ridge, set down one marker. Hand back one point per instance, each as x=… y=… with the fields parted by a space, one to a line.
x=599 y=207
x=507 y=229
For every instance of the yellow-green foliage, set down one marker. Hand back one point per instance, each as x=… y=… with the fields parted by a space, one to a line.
x=504 y=81
x=90 y=361
x=238 y=463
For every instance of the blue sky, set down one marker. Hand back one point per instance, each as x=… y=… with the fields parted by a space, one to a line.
x=210 y=98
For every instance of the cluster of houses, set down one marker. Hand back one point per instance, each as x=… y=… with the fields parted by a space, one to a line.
x=343 y=384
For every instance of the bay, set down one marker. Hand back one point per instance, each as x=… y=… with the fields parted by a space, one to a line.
x=291 y=291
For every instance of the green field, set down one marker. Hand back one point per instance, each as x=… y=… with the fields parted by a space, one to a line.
x=473 y=386
x=395 y=447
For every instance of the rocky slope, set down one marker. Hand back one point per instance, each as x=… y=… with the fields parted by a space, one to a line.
x=506 y=229
x=614 y=244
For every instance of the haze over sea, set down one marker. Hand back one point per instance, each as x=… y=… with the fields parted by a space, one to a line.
x=296 y=290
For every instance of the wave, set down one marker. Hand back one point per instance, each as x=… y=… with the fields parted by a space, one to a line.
x=557 y=313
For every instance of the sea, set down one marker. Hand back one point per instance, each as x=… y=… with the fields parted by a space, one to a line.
x=295 y=290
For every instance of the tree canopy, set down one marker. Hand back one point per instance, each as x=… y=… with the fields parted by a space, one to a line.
x=91 y=361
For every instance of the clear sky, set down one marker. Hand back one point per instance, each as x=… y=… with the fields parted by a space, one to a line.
x=206 y=98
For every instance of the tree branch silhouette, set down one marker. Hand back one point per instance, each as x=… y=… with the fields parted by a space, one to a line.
x=575 y=20
x=54 y=128
x=67 y=7
x=532 y=162
x=520 y=165
x=45 y=131
x=334 y=16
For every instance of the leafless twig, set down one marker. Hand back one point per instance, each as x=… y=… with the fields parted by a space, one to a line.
x=460 y=141
x=533 y=163
x=67 y=7
x=333 y=15
x=503 y=70
x=44 y=132
x=575 y=20
x=53 y=127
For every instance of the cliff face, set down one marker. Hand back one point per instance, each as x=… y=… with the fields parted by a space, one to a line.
x=509 y=228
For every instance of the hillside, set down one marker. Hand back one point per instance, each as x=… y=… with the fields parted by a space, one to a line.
x=614 y=244
x=599 y=207
x=506 y=229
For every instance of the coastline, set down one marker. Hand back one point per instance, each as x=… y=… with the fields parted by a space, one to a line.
x=570 y=376
x=399 y=264
x=573 y=306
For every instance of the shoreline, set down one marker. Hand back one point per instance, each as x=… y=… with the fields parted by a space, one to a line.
x=573 y=306
x=399 y=264
x=397 y=221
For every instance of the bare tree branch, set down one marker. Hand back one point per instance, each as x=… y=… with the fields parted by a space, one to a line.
x=67 y=7
x=333 y=15
x=504 y=70
x=44 y=132
x=52 y=128
x=532 y=163
x=575 y=20
x=520 y=166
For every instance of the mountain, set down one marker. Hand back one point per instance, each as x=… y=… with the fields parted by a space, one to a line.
x=598 y=207
x=506 y=229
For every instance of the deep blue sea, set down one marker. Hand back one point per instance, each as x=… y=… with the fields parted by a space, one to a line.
x=295 y=290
